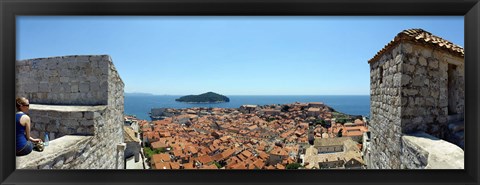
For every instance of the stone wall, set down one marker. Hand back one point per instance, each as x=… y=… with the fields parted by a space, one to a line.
x=385 y=110
x=61 y=120
x=425 y=89
x=67 y=80
x=95 y=109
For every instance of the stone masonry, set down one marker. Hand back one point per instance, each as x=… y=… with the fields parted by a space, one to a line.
x=68 y=80
x=416 y=84
x=79 y=96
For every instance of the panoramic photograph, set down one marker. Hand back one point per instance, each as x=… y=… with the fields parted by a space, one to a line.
x=240 y=92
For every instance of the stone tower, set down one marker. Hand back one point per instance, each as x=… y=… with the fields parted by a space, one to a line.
x=416 y=85
x=78 y=100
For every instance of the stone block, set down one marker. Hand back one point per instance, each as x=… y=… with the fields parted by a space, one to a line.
x=76 y=115
x=442 y=119
x=419 y=101
x=409 y=111
x=96 y=115
x=87 y=123
x=417 y=120
x=427 y=53
x=38 y=126
x=399 y=59
x=434 y=94
x=428 y=119
x=58 y=163
x=419 y=81
x=424 y=92
x=84 y=87
x=64 y=72
x=43 y=87
x=409 y=68
x=81 y=130
x=405 y=79
x=94 y=86
x=70 y=123
x=422 y=61
x=427 y=82
x=410 y=92
x=52 y=128
x=420 y=70
x=52 y=65
x=48 y=165
x=433 y=64
x=64 y=79
x=89 y=115
x=407 y=48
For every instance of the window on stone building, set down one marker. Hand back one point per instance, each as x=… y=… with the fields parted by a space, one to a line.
x=380 y=75
x=452 y=99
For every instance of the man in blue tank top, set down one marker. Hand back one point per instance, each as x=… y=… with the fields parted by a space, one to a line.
x=22 y=123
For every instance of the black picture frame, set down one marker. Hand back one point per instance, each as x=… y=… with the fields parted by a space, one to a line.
x=470 y=9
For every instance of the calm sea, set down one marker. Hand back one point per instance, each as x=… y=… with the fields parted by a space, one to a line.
x=140 y=105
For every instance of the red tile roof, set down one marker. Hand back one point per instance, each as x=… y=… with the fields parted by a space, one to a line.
x=278 y=151
x=174 y=165
x=162 y=165
x=158 y=144
x=227 y=153
x=259 y=163
x=189 y=165
x=280 y=166
x=204 y=159
x=211 y=166
x=160 y=158
x=423 y=37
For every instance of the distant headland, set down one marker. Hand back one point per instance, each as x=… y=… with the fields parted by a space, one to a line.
x=209 y=97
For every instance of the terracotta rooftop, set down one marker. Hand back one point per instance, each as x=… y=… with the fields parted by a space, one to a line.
x=129 y=134
x=422 y=37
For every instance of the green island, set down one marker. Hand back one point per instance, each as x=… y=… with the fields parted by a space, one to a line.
x=209 y=97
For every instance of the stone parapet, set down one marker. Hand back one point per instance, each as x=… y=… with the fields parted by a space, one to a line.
x=66 y=80
x=61 y=153
x=423 y=151
x=61 y=120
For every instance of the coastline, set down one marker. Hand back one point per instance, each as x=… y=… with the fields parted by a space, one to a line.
x=203 y=102
x=350 y=104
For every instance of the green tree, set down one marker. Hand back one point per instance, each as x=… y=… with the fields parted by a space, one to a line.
x=149 y=152
x=217 y=164
x=293 y=166
x=321 y=122
x=339 y=134
x=285 y=108
x=270 y=119
x=341 y=120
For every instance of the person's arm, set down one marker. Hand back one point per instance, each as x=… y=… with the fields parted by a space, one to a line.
x=26 y=120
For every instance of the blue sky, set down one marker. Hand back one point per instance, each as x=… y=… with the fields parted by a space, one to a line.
x=249 y=55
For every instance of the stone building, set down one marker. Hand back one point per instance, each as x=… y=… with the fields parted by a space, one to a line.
x=79 y=101
x=416 y=91
x=248 y=109
x=330 y=145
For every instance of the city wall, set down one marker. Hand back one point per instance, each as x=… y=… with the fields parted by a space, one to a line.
x=79 y=101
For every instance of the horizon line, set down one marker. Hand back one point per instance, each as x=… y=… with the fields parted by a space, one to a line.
x=152 y=94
